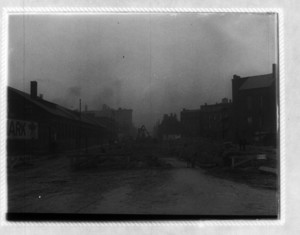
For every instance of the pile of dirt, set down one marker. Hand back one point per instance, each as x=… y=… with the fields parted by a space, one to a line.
x=147 y=161
x=137 y=161
x=250 y=176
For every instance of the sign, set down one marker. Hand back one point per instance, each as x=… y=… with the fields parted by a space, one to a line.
x=19 y=129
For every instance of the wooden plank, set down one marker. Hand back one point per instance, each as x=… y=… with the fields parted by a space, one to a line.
x=268 y=169
x=243 y=159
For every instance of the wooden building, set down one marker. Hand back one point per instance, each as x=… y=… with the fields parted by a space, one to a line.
x=37 y=126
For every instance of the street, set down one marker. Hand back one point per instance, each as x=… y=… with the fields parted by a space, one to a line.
x=51 y=187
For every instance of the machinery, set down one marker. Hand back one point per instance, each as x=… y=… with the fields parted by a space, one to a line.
x=142 y=134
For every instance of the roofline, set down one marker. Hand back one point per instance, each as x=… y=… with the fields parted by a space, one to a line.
x=255 y=88
x=47 y=109
x=261 y=87
x=267 y=74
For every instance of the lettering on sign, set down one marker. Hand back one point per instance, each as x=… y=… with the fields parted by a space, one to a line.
x=19 y=129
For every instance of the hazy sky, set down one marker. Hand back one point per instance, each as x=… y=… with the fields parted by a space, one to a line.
x=151 y=63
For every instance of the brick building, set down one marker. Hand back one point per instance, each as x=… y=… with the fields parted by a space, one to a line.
x=190 y=122
x=212 y=121
x=170 y=127
x=122 y=118
x=254 y=107
x=216 y=120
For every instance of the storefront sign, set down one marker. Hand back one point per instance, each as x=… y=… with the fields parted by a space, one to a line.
x=19 y=129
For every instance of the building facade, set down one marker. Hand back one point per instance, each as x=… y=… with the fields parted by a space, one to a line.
x=35 y=125
x=216 y=120
x=170 y=127
x=121 y=117
x=190 y=122
x=254 y=107
x=211 y=121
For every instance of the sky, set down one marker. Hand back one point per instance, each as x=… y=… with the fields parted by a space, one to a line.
x=154 y=64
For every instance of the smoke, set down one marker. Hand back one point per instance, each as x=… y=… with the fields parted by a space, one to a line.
x=75 y=91
x=188 y=60
x=109 y=92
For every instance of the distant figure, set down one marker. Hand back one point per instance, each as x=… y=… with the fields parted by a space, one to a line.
x=192 y=160
x=103 y=150
x=189 y=154
x=53 y=144
x=242 y=142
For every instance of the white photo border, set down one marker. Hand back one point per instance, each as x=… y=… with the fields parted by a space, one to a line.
x=6 y=12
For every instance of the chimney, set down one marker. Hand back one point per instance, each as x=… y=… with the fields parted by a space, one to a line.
x=274 y=70
x=224 y=100
x=33 y=89
x=236 y=76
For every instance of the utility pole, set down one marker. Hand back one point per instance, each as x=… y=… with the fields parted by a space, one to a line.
x=80 y=124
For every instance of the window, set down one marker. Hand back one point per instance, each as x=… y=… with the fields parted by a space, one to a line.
x=249 y=102
x=249 y=120
x=261 y=102
x=261 y=122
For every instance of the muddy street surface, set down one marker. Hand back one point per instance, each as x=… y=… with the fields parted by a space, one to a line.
x=50 y=186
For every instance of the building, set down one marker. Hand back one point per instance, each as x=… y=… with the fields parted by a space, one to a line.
x=36 y=125
x=170 y=127
x=190 y=122
x=109 y=123
x=254 y=107
x=216 y=120
x=211 y=121
x=122 y=118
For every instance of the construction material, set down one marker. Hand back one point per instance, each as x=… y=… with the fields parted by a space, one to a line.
x=268 y=170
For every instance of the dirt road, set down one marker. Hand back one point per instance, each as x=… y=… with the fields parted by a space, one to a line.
x=177 y=190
